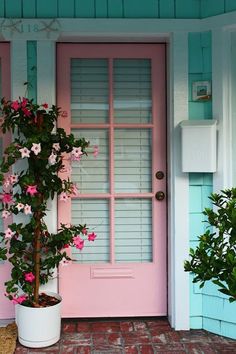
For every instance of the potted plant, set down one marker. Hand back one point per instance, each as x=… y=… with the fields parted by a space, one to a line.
x=215 y=256
x=32 y=250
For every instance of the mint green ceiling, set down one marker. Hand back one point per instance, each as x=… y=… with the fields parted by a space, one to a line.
x=115 y=8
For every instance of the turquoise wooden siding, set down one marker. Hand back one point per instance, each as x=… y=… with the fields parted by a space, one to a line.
x=200 y=185
x=199 y=70
x=114 y=8
x=209 y=308
x=32 y=70
x=212 y=7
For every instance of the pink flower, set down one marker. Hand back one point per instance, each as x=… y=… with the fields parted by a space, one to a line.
x=76 y=152
x=24 y=152
x=26 y=112
x=19 y=299
x=24 y=102
x=95 y=151
x=84 y=231
x=36 y=148
x=5 y=214
x=92 y=236
x=45 y=105
x=74 y=190
x=78 y=242
x=6 y=182
x=64 y=197
x=27 y=209
x=15 y=105
x=32 y=190
x=8 y=233
x=66 y=246
x=52 y=159
x=6 y=198
x=19 y=206
x=29 y=277
x=13 y=179
x=56 y=146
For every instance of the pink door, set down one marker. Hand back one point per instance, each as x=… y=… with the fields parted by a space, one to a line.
x=6 y=308
x=114 y=95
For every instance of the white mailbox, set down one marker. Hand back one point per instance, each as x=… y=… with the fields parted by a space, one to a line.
x=199 y=145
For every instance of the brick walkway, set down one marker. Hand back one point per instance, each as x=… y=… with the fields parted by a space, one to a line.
x=133 y=336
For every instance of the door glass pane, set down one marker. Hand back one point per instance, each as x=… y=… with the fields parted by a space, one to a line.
x=133 y=230
x=132 y=91
x=89 y=90
x=133 y=161
x=91 y=173
x=94 y=213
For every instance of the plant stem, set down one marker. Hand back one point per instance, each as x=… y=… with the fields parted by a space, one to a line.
x=37 y=242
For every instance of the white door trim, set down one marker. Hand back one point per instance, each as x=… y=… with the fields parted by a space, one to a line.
x=175 y=33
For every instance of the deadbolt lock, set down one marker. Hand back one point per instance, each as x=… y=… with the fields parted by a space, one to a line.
x=160 y=175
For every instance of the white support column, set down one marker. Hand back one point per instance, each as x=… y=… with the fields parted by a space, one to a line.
x=233 y=102
x=178 y=185
x=18 y=68
x=46 y=92
x=221 y=82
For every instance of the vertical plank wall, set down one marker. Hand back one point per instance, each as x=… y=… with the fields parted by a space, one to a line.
x=209 y=308
x=114 y=8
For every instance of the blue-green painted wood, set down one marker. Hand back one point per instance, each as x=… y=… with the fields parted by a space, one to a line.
x=195 y=199
x=101 y=8
x=206 y=39
x=2 y=8
x=212 y=7
x=196 y=179
x=196 y=226
x=229 y=311
x=29 y=9
x=200 y=110
x=230 y=5
x=212 y=306
x=187 y=9
x=85 y=9
x=66 y=8
x=208 y=179
x=228 y=329
x=32 y=69
x=206 y=63
x=196 y=322
x=195 y=53
x=140 y=9
x=211 y=325
x=47 y=8
x=115 y=9
x=196 y=304
x=167 y=9
x=13 y=8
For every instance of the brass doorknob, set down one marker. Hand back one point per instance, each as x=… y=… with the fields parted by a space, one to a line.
x=160 y=196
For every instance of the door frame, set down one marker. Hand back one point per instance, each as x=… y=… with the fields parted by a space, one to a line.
x=157 y=54
x=175 y=34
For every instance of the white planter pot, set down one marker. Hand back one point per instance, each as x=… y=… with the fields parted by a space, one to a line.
x=39 y=327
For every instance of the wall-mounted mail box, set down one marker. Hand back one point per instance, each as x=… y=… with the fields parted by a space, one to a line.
x=199 y=139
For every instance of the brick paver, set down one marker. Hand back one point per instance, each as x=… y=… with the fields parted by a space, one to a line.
x=132 y=336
